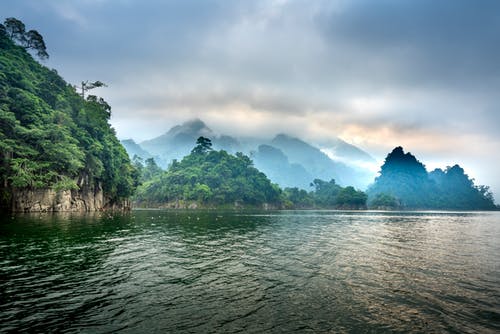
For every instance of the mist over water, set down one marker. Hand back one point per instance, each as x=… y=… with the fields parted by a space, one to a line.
x=288 y=271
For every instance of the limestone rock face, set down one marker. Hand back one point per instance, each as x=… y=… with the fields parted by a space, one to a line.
x=47 y=200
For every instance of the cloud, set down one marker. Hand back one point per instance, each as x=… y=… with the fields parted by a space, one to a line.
x=379 y=74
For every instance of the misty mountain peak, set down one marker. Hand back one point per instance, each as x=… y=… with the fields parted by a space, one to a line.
x=398 y=156
x=400 y=162
x=194 y=127
x=287 y=139
x=288 y=160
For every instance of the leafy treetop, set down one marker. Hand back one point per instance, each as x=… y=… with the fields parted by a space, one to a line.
x=203 y=145
x=16 y=31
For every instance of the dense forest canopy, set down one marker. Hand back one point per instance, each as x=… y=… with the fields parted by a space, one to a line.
x=212 y=178
x=208 y=176
x=50 y=137
x=326 y=195
x=404 y=182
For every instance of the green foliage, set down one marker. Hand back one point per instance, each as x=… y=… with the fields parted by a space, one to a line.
x=147 y=170
x=404 y=182
x=298 y=198
x=203 y=145
x=16 y=31
x=50 y=137
x=35 y=41
x=218 y=178
x=383 y=201
x=455 y=190
x=86 y=86
x=325 y=193
x=208 y=177
x=65 y=183
x=350 y=198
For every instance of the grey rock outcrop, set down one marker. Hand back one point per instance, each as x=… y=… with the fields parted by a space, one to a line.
x=48 y=200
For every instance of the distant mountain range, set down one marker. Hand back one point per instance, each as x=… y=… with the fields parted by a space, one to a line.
x=286 y=160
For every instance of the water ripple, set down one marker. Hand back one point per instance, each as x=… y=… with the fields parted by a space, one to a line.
x=291 y=271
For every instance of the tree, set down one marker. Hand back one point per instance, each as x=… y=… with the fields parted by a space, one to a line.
x=383 y=200
x=102 y=103
x=350 y=198
x=299 y=198
x=203 y=145
x=15 y=29
x=325 y=193
x=151 y=170
x=35 y=41
x=86 y=86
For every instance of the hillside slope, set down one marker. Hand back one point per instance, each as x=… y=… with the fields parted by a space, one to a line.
x=57 y=150
x=405 y=182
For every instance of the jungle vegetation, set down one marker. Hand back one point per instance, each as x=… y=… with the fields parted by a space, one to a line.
x=217 y=178
x=405 y=183
x=50 y=136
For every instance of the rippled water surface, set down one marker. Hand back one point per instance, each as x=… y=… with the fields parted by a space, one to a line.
x=288 y=271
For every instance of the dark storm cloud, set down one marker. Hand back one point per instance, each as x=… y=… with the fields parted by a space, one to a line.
x=455 y=43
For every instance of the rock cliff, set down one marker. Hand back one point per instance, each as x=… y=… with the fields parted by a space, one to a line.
x=48 y=200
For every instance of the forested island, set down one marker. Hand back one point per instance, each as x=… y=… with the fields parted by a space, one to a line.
x=58 y=152
x=209 y=178
x=405 y=183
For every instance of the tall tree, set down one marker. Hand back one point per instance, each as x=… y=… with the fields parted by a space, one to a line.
x=86 y=86
x=15 y=29
x=35 y=41
x=203 y=145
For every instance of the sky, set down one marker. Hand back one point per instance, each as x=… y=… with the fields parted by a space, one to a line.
x=421 y=74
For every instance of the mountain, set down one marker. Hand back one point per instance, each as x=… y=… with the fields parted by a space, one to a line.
x=274 y=163
x=318 y=164
x=407 y=181
x=227 y=143
x=178 y=142
x=134 y=149
x=57 y=149
x=338 y=149
x=288 y=161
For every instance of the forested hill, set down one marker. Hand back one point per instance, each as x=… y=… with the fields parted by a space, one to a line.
x=404 y=182
x=208 y=177
x=53 y=142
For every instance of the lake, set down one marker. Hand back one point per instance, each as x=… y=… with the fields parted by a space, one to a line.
x=154 y=271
